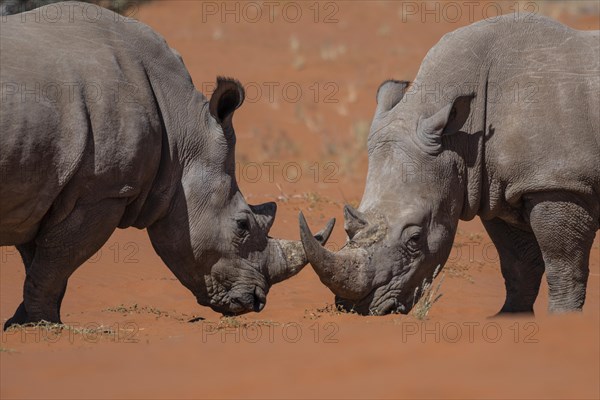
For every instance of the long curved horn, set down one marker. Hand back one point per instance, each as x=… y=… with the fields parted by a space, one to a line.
x=346 y=273
x=287 y=257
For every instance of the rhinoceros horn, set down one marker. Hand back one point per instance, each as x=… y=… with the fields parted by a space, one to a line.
x=346 y=273
x=287 y=257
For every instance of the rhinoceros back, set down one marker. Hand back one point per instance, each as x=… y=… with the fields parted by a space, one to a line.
x=544 y=124
x=79 y=118
x=537 y=97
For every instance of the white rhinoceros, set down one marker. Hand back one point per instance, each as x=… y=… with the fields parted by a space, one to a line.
x=101 y=127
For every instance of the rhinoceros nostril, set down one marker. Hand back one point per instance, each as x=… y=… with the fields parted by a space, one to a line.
x=254 y=300
x=260 y=299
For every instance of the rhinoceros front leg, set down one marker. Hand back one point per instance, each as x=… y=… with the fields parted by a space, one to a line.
x=521 y=263
x=60 y=249
x=564 y=225
x=27 y=252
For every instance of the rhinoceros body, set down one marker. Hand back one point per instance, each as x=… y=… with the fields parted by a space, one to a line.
x=502 y=121
x=101 y=127
x=81 y=118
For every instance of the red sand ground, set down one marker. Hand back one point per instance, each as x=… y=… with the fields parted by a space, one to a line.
x=297 y=347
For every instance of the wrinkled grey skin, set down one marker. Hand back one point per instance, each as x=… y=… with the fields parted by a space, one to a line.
x=516 y=142
x=117 y=136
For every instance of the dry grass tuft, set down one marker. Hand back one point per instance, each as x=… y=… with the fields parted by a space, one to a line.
x=241 y=322
x=6 y=350
x=429 y=295
x=136 y=309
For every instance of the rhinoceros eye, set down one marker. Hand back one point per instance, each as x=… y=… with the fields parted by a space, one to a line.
x=413 y=241
x=243 y=225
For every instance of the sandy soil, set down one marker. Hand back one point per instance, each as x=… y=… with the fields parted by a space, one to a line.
x=132 y=336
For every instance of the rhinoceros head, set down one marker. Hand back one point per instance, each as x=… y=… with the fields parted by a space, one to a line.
x=407 y=219
x=215 y=243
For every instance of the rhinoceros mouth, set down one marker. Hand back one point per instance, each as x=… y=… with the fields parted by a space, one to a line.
x=248 y=301
x=387 y=298
x=239 y=301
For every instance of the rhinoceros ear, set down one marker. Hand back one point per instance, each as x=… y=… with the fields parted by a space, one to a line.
x=389 y=94
x=447 y=121
x=226 y=98
x=264 y=215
